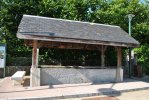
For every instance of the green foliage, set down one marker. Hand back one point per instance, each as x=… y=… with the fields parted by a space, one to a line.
x=142 y=32
x=69 y=57
x=19 y=61
x=101 y=11
x=111 y=57
x=143 y=57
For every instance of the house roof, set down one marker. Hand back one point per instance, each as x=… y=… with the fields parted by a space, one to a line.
x=61 y=30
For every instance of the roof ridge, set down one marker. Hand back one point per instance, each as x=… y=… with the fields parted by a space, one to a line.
x=91 y=23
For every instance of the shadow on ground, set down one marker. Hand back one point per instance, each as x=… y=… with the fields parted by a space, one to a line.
x=135 y=79
x=109 y=92
x=144 y=79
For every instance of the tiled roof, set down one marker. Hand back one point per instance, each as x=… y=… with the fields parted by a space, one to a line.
x=61 y=28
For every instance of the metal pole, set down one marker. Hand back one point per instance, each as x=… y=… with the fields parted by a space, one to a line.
x=5 y=61
x=129 y=47
x=129 y=62
x=130 y=16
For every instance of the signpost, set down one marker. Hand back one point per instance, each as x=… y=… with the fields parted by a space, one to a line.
x=3 y=56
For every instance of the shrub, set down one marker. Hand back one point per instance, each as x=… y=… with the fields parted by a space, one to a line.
x=19 y=61
x=143 y=57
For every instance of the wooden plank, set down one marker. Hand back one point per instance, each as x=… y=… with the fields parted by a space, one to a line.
x=119 y=64
x=103 y=49
x=62 y=45
x=35 y=53
x=119 y=58
x=72 y=40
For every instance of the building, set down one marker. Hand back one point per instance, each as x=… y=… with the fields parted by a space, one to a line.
x=60 y=33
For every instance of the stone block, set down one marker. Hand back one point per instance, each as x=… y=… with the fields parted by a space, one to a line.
x=35 y=77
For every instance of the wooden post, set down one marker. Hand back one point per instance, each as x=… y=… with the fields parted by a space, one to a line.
x=103 y=49
x=119 y=64
x=35 y=53
x=35 y=71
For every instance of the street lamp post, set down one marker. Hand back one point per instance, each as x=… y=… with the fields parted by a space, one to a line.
x=130 y=16
x=89 y=13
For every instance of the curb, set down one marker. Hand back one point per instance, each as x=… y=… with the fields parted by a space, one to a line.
x=80 y=95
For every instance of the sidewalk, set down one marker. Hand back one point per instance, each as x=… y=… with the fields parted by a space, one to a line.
x=8 y=91
x=133 y=95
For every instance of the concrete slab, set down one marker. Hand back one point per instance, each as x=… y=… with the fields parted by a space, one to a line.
x=10 y=92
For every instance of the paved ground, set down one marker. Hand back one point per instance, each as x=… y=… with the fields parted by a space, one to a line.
x=8 y=91
x=134 y=95
x=1 y=79
x=137 y=95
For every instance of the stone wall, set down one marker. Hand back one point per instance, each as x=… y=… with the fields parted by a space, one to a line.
x=35 y=77
x=50 y=76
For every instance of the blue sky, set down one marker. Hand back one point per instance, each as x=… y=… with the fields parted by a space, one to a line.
x=142 y=1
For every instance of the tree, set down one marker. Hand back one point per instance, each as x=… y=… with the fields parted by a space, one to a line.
x=99 y=11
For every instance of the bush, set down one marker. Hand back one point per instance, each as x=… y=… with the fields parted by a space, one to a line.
x=19 y=61
x=143 y=57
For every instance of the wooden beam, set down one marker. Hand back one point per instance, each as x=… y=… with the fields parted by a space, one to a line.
x=119 y=59
x=74 y=40
x=119 y=64
x=35 y=53
x=62 y=45
x=103 y=49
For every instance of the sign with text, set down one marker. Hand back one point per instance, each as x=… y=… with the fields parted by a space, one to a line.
x=2 y=55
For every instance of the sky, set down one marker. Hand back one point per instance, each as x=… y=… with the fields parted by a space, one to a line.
x=142 y=1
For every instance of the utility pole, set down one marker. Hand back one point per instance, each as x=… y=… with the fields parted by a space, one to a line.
x=130 y=16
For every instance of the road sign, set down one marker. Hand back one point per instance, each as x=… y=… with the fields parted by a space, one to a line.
x=2 y=55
